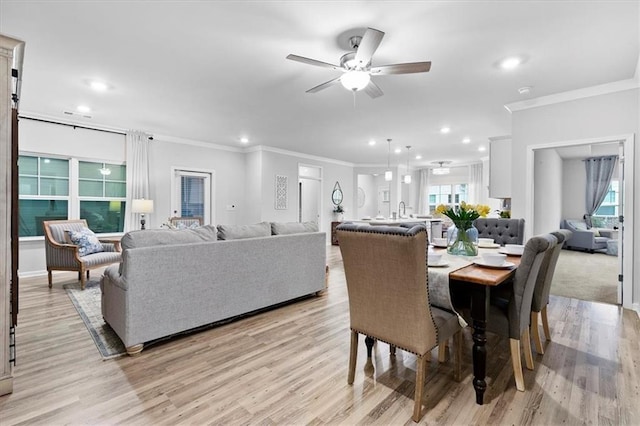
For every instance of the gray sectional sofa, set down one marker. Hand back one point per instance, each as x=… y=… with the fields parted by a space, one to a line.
x=171 y=281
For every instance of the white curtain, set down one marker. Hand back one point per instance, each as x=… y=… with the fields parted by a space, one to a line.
x=599 y=174
x=476 y=195
x=137 y=156
x=423 y=192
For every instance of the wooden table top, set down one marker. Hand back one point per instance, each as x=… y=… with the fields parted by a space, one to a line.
x=484 y=275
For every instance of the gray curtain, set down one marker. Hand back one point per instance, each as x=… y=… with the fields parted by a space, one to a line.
x=423 y=192
x=599 y=174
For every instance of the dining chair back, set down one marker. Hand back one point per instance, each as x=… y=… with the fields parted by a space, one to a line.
x=510 y=318
x=543 y=288
x=501 y=230
x=386 y=273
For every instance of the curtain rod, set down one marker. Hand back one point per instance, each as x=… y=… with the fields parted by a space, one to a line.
x=75 y=126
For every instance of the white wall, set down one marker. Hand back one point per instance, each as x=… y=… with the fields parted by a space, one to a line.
x=367 y=183
x=61 y=141
x=588 y=118
x=574 y=182
x=548 y=191
x=229 y=184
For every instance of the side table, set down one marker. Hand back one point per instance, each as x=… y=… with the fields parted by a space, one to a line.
x=334 y=236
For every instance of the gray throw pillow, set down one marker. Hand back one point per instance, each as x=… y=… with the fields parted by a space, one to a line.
x=285 y=228
x=238 y=232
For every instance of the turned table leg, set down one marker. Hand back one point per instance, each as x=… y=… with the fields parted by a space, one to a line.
x=479 y=310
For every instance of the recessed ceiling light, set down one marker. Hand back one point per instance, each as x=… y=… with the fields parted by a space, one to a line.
x=99 y=86
x=510 y=63
x=482 y=148
x=244 y=139
x=397 y=151
x=445 y=130
x=466 y=140
x=83 y=108
x=524 y=90
x=372 y=142
x=418 y=157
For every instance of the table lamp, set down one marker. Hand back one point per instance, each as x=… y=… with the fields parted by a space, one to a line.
x=142 y=206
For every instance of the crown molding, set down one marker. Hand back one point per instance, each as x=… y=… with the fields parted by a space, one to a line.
x=266 y=148
x=602 y=89
x=201 y=144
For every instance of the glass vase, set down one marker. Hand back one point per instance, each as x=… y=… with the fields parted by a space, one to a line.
x=462 y=239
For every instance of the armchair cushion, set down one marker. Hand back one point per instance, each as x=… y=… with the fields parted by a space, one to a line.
x=86 y=241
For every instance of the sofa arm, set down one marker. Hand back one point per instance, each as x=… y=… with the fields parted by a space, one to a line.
x=582 y=239
x=112 y=276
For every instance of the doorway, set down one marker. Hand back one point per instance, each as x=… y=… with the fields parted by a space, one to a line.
x=309 y=193
x=191 y=194
x=625 y=149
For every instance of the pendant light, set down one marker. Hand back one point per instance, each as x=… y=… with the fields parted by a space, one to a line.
x=407 y=177
x=388 y=174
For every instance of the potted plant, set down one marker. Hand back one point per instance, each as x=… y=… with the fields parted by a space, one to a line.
x=338 y=212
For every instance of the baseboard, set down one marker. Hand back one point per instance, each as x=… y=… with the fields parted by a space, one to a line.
x=32 y=274
x=6 y=385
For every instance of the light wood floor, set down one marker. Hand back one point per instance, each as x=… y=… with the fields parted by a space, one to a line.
x=289 y=366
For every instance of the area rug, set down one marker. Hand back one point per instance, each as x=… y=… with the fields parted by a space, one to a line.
x=586 y=276
x=87 y=303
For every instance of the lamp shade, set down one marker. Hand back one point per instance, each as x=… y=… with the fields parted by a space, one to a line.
x=142 y=206
x=355 y=80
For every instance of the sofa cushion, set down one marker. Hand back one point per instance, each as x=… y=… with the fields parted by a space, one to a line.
x=577 y=224
x=238 y=232
x=157 y=237
x=86 y=241
x=285 y=228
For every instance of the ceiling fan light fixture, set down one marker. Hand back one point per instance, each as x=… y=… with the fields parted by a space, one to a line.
x=355 y=80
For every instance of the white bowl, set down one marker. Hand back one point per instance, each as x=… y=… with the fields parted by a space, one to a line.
x=494 y=259
x=485 y=241
x=434 y=258
x=517 y=249
x=440 y=242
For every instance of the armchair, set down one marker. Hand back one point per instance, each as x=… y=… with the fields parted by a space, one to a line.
x=64 y=256
x=585 y=238
x=185 y=222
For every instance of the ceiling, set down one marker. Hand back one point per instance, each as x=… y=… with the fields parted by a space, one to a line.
x=216 y=71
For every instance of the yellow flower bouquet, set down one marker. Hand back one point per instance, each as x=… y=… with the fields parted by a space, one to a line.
x=466 y=235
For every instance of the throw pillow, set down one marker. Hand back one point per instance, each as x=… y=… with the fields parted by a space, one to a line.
x=238 y=232
x=86 y=241
x=280 y=228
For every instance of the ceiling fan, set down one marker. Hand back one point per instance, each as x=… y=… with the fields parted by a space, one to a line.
x=356 y=65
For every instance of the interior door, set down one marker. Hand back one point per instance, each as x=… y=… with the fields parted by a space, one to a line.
x=309 y=200
x=621 y=218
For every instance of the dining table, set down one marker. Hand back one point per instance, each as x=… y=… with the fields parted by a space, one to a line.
x=475 y=279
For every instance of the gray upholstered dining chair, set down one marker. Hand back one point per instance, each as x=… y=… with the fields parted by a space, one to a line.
x=510 y=310
x=543 y=287
x=386 y=272
x=502 y=231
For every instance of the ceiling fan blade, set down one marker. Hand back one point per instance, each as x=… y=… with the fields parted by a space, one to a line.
x=313 y=62
x=408 y=68
x=373 y=90
x=323 y=85
x=368 y=46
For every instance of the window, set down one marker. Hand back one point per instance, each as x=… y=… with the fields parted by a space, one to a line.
x=43 y=192
x=192 y=195
x=451 y=195
x=102 y=190
x=48 y=190
x=606 y=216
